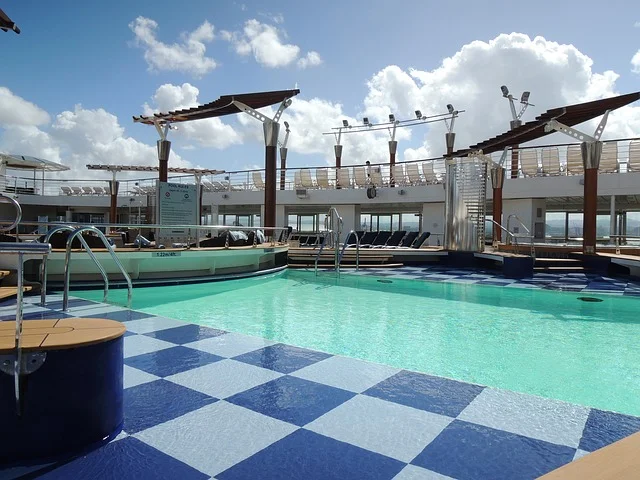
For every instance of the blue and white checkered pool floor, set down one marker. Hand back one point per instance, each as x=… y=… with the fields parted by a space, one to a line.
x=203 y=403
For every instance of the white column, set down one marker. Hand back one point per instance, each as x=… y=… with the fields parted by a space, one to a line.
x=433 y=221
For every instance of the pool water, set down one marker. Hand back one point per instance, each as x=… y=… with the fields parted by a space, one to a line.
x=540 y=342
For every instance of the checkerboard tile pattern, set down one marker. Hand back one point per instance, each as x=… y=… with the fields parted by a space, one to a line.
x=202 y=403
x=573 y=282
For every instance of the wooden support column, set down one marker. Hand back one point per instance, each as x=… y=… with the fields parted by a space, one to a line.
x=591 y=152
x=497 y=181
x=271 y=131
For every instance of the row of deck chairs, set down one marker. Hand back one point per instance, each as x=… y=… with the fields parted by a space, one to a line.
x=85 y=190
x=386 y=239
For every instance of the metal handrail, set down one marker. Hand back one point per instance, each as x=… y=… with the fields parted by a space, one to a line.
x=67 y=269
x=533 y=251
x=18 y=213
x=336 y=236
x=324 y=242
x=344 y=246
x=43 y=266
x=505 y=231
x=618 y=237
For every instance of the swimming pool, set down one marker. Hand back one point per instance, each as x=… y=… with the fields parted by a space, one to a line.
x=540 y=342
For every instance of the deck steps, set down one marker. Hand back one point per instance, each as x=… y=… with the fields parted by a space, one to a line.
x=559 y=265
x=10 y=292
x=305 y=258
x=344 y=266
x=4 y=273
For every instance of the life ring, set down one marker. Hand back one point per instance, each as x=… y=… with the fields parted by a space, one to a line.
x=371 y=192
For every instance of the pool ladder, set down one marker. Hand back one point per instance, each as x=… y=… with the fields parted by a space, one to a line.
x=333 y=224
x=77 y=232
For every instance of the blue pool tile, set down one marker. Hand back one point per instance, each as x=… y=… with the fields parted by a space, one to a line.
x=156 y=402
x=186 y=333
x=126 y=459
x=468 y=451
x=433 y=394
x=171 y=360
x=73 y=302
x=46 y=315
x=128 y=333
x=292 y=399
x=282 y=358
x=121 y=315
x=311 y=456
x=604 y=428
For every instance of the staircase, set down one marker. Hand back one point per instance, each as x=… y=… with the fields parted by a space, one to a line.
x=7 y=290
x=559 y=265
x=369 y=258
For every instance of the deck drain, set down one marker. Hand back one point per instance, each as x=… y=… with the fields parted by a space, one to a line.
x=590 y=299
x=385 y=281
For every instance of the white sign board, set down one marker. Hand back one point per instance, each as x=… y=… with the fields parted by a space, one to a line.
x=178 y=205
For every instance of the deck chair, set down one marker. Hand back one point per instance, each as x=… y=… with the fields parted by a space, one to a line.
x=367 y=239
x=344 y=179
x=76 y=190
x=393 y=240
x=551 y=161
x=414 y=174
x=351 y=239
x=429 y=174
x=361 y=176
x=297 y=181
x=98 y=190
x=376 y=177
x=408 y=240
x=609 y=158
x=66 y=190
x=380 y=240
x=399 y=177
x=528 y=162
x=305 y=177
x=207 y=186
x=87 y=190
x=107 y=190
x=257 y=180
x=633 y=165
x=322 y=178
x=420 y=240
x=574 y=160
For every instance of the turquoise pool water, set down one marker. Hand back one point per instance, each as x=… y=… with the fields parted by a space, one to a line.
x=546 y=343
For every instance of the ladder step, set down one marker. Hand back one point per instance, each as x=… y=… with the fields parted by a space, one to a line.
x=8 y=292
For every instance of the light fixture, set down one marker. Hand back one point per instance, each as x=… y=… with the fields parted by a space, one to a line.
x=418 y=114
x=392 y=117
x=450 y=108
x=505 y=91
x=525 y=97
x=365 y=121
x=345 y=123
x=286 y=124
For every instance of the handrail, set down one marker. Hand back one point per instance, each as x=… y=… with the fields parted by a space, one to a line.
x=344 y=246
x=324 y=241
x=533 y=251
x=67 y=269
x=43 y=266
x=618 y=237
x=18 y=212
x=504 y=230
x=336 y=236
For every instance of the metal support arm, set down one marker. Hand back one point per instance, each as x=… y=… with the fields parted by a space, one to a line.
x=577 y=134
x=257 y=115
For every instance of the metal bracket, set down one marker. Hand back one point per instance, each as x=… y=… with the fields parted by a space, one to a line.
x=259 y=116
x=162 y=128
x=601 y=125
x=392 y=132
x=503 y=157
x=30 y=363
x=571 y=132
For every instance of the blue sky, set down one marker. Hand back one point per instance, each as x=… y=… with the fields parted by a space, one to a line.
x=85 y=53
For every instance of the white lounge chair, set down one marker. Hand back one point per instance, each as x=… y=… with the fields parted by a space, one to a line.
x=609 y=158
x=429 y=174
x=107 y=190
x=398 y=174
x=528 y=162
x=574 y=160
x=257 y=180
x=633 y=164
x=207 y=186
x=322 y=177
x=87 y=190
x=98 y=190
x=413 y=172
x=297 y=180
x=376 y=177
x=361 y=176
x=344 y=179
x=66 y=190
x=551 y=161
x=76 y=190
x=305 y=178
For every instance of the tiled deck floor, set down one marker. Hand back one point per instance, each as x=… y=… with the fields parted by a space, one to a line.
x=203 y=403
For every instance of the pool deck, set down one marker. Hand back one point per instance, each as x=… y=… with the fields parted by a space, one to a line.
x=203 y=403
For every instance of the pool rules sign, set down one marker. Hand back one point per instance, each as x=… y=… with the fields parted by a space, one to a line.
x=178 y=205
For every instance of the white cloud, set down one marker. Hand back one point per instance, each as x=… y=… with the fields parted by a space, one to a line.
x=265 y=43
x=15 y=110
x=209 y=132
x=637 y=24
x=188 y=56
x=635 y=62
x=312 y=59
x=555 y=74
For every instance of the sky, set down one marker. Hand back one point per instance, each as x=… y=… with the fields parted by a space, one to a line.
x=79 y=71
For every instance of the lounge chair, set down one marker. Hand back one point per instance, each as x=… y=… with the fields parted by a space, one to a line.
x=428 y=172
x=66 y=190
x=258 y=183
x=107 y=190
x=609 y=158
x=76 y=190
x=393 y=240
x=361 y=176
x=574 y=160
x=414 y=174
x=322 y=177
x=98 y=190
x=87 y=190
x=399 y=177
x=420 y=240
x=551 y=161
x=376 y=177
x=408 y=239
x=344 y=179
x=207 y=186
x=305 y=177
x=379 y=241
x=297 y=181
x=529 y=162
x=367 y=239
x=633 y=164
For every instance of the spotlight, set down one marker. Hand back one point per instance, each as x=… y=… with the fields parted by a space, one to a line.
x=450 y=108
x=286 y=125
x=345 y=123
x=392 y=117
x=525 y=97
x=505 y=91
x=365 y=121
x=418 y=114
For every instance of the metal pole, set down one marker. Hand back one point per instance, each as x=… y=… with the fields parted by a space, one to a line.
x=591 y=152
x=271 y=130
x=514 y=151
x=338 y=151
x=164 y=149
x=283 y=167
x=393 y=146
x=612 y=219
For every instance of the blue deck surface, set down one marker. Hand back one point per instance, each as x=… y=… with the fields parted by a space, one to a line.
x=202 y=403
